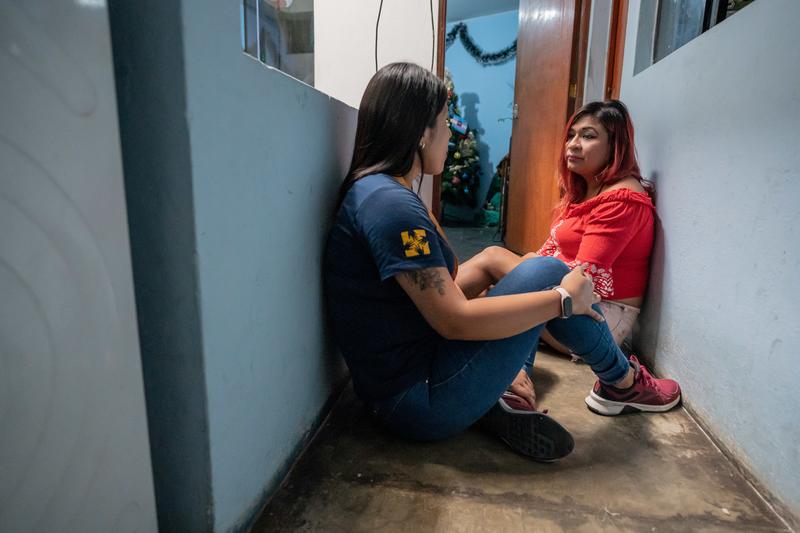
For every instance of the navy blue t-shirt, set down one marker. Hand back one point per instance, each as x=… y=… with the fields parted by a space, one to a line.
x=382 y=228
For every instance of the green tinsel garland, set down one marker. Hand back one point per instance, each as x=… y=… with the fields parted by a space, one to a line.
x=497 y=58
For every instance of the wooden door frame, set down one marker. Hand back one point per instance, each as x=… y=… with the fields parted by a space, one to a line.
x=580 y=55
x=436 y=192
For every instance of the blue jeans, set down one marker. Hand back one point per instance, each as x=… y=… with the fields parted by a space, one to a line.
x=466 y=378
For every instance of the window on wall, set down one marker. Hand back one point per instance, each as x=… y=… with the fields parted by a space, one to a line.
x=280 y=33
x=679 y=21
x=666 y=25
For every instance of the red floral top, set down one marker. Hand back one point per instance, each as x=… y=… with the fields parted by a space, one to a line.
x=612 y=234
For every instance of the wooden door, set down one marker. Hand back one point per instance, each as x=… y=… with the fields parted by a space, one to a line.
x=547 y=78
x=436 y=196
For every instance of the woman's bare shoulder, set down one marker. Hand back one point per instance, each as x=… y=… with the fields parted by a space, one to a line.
x=627 y=183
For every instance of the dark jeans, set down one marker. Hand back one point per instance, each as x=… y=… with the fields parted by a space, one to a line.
x=467 y=377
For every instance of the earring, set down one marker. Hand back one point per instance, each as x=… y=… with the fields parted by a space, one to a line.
x=422 y=145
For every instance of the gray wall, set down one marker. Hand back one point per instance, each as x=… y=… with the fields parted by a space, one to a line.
x=232 y=171
x=268 y=154
x=716 y=126
x=148 y=59
x=73 y=436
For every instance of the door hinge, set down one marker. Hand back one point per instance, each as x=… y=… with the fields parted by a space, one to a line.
x=515 y=112
x=573 y=90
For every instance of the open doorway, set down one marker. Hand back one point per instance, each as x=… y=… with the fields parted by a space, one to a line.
x=517 y=70
x=479 y=69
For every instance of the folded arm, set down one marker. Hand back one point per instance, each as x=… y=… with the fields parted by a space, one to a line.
x=453 y=316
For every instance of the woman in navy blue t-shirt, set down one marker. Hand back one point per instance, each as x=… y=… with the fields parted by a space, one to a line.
x=427 y=355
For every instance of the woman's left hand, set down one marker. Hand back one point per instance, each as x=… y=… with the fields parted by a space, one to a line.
x=522 y=386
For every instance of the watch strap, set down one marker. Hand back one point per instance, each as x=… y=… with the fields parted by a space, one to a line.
x=564 y=295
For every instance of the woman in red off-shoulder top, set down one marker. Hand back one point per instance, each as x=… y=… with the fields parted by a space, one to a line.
x=605 y=218
x=604 y=223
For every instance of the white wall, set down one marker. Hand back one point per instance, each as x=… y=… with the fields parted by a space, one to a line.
x=344 y=45
x=74 y=453
x=344 y=41
x=716 y=126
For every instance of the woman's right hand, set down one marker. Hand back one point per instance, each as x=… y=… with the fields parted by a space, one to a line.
x=581 y=289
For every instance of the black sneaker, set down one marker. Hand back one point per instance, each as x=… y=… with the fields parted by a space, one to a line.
x=527 y=432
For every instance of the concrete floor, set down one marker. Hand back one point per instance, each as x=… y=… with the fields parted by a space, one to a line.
x=469 y=241
x=631 y=473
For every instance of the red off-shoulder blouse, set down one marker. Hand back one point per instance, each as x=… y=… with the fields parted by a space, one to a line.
x=612 y=234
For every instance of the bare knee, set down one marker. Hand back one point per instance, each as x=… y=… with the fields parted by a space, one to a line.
x=489 y=257
x=501 y=261
x=494 y=253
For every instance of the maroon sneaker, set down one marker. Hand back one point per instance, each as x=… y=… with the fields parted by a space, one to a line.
x=526 y=431
x=646 y=394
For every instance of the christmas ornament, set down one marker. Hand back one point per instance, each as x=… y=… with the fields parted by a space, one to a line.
x=458 y=124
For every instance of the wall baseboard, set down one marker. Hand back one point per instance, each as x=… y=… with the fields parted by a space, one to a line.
x=285 y=471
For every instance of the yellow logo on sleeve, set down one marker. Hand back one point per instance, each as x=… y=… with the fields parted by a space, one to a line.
x=415 y=243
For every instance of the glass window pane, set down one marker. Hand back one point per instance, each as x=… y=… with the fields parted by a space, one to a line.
x=679 y=21
x=280 y=33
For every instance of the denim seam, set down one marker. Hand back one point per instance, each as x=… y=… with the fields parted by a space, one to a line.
x=463 y=368
x=397 y=404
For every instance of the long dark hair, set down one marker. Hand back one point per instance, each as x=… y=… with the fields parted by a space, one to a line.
x=401 y=100
x=614 y=117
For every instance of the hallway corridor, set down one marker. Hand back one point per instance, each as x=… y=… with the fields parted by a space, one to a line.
x=630 y=473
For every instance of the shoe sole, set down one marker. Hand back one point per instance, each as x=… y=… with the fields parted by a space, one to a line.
x=529 y=433
x=604 y=407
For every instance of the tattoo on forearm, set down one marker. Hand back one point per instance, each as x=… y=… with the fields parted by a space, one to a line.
x=426 y=279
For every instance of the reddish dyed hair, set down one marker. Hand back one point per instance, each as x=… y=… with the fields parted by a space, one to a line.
x=614 y=117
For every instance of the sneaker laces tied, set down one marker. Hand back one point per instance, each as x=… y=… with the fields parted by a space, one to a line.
x=646 y=377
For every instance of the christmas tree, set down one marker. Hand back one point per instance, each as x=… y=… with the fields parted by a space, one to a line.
x=461 y=176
